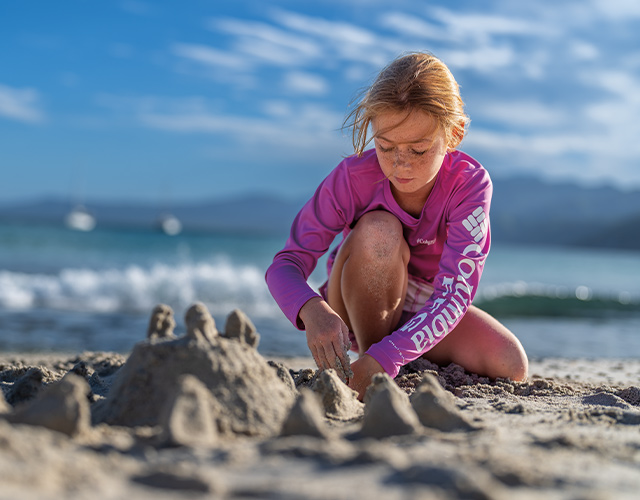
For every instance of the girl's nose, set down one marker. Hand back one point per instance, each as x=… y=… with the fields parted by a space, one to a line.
x=400 y=160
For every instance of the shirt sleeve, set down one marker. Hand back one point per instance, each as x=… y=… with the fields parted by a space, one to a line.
x=313 y=230
x=461 y=264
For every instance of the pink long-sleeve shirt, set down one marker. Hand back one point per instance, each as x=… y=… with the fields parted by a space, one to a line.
x=449 y=244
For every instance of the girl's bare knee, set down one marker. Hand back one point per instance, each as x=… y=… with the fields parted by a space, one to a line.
x=512 y=362
x=519 y=364
x=378 y=235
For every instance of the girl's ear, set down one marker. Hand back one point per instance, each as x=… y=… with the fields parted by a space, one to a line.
x=457 y=134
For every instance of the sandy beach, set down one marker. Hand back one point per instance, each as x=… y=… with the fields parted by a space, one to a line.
x=203 y=414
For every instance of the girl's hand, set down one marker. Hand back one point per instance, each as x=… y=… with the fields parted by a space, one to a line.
x=327 y=337
x=364 y=368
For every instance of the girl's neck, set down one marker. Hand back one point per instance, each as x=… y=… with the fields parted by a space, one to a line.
x=413 y=203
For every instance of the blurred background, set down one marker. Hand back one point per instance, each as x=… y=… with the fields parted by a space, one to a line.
x=158 y=152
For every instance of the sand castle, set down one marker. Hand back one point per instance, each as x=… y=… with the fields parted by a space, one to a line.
x=205 y=385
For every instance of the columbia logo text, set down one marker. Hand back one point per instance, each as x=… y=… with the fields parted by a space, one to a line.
x=444 y=314
x=422 y=241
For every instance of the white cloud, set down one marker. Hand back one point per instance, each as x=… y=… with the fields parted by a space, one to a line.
x=618 y=9
x=269 y=54
x=306 y=124
x=482 y=27
x=341 y=41
x=208 y=56
x=266 y=33
x=411 y=25
x=339 y=31
x=529 y=114
x=306 y=83
x=300 y=136
x=621 y=83
x=483 y=59
x=534 y=145
x=20 y=104
x=277 y=108
x=583 y=51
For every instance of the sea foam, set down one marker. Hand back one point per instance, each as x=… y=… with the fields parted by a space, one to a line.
x=221 y=285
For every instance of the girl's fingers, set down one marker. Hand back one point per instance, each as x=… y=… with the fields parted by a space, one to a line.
x=316 y=356
x=342 y=357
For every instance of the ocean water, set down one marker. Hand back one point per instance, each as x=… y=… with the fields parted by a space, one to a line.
x=62 y=290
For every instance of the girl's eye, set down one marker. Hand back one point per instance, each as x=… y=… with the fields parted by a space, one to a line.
x=384 y=150
x=418 y=153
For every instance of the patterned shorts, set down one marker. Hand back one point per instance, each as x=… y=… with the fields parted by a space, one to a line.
x=418 y=292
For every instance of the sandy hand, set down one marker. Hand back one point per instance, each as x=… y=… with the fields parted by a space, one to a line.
x=327 y=337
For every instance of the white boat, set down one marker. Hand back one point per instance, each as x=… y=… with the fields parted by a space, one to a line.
x=79 y=219
x=170 y=224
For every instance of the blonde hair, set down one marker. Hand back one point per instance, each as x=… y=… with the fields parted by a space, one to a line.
x=416 y=81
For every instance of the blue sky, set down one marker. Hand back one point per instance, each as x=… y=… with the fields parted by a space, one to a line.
x=129 y=99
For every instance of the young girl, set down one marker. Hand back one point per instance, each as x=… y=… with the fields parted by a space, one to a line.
x=414 y=213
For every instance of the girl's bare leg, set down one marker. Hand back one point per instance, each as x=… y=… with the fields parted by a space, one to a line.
x=482 y=345
x=368 y=281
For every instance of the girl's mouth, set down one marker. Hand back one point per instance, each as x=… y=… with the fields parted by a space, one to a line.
x=403 y=180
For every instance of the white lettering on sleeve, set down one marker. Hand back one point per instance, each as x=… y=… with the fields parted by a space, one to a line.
x=425 y=334
x=476 y=224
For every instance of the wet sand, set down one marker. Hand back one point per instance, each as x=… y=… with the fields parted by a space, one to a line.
x=203 y=414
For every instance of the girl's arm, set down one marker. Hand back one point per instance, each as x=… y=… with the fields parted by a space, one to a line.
x=323 y=217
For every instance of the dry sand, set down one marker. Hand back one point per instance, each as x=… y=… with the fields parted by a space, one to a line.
x=205 y=415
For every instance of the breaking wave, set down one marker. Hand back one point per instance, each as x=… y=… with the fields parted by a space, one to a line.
x=222 y=286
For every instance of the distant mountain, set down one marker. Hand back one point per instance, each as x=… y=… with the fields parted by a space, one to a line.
x=528 y=210
x=524 y=210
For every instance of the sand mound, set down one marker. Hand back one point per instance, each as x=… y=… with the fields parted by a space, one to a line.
x=339 y=401
x=436 y=407
x=306 y=417
x=387 y=410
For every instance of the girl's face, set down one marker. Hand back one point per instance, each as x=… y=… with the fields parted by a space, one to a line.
x=410 y=148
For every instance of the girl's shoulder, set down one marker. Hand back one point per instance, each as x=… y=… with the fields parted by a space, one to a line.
x=459 y=167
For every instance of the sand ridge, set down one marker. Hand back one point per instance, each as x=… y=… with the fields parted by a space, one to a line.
x=204 y=414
